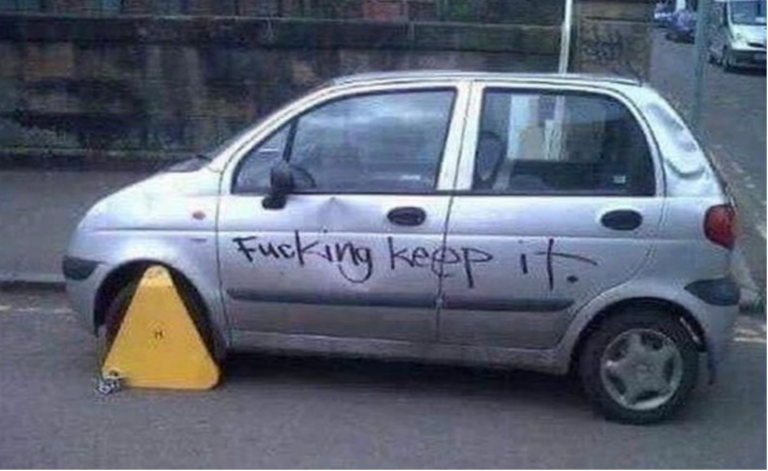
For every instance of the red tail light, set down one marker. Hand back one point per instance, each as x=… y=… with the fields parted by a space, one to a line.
x=720 y=225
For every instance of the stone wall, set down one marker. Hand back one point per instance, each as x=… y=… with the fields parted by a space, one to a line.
x=125 y=86
x=613 y=37
x=542 y=12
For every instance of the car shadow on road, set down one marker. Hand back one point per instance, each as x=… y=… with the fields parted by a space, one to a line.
x=750 y=72
x=403 y=377
x=516 y=390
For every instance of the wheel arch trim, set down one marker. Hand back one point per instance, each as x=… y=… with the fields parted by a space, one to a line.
x=617 y=300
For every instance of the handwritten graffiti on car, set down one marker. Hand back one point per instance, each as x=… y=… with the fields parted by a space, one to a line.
x=357 y=263
x=339 y=254
x=438 y=259
x=550 y=255
x=347 y=256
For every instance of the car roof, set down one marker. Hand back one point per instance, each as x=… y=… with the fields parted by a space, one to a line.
x=424 y=75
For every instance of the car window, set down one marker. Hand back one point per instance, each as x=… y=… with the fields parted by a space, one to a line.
x=254 y=170
x=748 y=12
x=560 y=144
x=382 y=143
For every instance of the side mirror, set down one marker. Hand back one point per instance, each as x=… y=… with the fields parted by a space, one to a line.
x=281 y=185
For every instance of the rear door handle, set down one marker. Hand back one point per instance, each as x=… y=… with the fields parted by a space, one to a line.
x=407 y=216
x=622 y=220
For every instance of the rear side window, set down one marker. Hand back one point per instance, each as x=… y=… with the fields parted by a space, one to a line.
x=533 y=143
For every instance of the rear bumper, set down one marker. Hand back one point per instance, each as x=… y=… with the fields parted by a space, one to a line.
x=716 y=308
x=718 y=292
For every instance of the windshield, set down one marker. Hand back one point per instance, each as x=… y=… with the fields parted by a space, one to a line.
x=748 y=12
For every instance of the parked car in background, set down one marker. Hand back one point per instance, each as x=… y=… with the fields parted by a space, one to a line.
x=737 y=35
x=549 y=222
x=682 y=26
x=662 y=14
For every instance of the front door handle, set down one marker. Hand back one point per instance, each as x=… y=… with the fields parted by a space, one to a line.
x=407 y=216
x=622 y=220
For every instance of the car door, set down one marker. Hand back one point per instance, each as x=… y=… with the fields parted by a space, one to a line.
x=558 y=200
x=355 y=250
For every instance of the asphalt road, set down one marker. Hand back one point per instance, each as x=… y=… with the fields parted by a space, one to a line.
x=733 y=132
x=280 y=412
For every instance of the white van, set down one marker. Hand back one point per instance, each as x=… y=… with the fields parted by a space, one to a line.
x=737 y=35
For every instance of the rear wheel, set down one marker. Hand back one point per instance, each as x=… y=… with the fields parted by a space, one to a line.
x=640 y=366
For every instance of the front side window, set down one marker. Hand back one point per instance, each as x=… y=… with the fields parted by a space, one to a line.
x=253 y=173
x=391 y=142
x=560 y=144
x=373 y=143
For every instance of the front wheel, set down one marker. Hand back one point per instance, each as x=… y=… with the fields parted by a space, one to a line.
x=195 y=307
x=639 y=367
x=711 y=57
x=726 y=59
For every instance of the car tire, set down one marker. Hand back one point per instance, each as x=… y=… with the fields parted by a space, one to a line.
x=118 y=308
x=639 y=367
x=726 y=60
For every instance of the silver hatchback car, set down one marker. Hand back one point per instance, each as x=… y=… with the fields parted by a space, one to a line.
x=548 y=222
